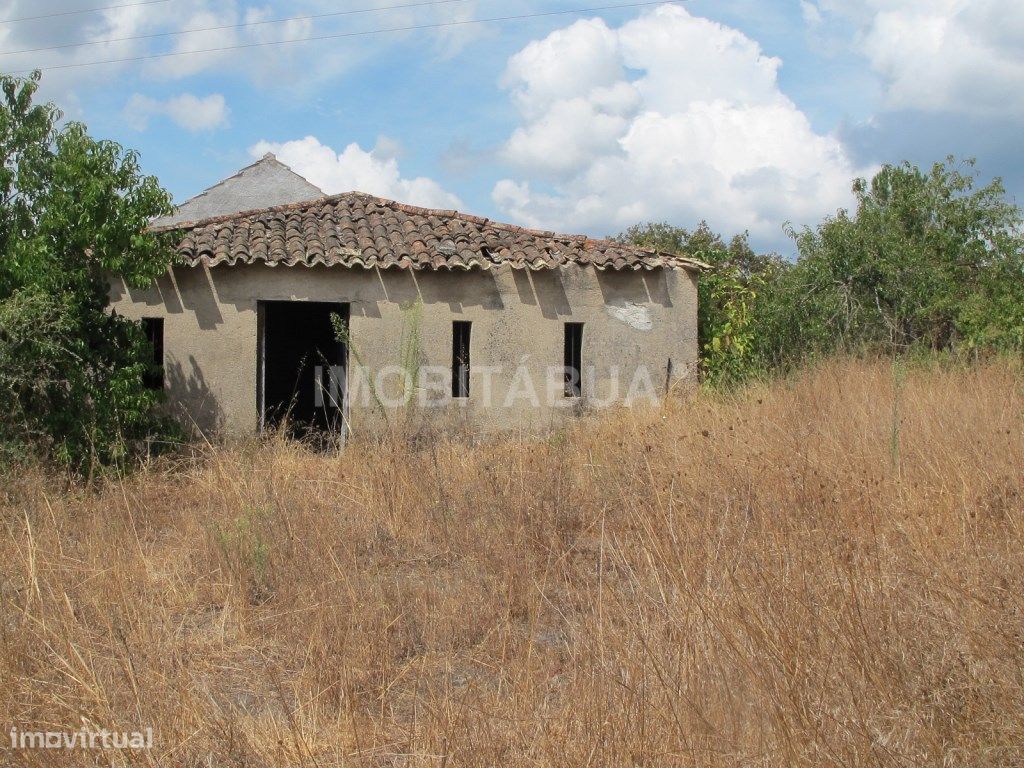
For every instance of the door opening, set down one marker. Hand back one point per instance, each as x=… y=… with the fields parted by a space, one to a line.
x=303 y=366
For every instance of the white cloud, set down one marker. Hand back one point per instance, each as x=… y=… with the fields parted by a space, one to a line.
x=187 y=111
x=952 y=55
x=670 y=116
x=566 y=63
x=354 y=169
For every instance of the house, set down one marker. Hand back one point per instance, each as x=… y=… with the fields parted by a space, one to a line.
x=345 y=309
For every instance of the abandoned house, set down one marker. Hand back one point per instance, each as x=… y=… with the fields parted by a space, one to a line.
x=338 y=310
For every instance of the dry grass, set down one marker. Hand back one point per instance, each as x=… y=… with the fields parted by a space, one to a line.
x=779 y=578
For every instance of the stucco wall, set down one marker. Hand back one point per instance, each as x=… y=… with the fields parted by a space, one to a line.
x=634 y=321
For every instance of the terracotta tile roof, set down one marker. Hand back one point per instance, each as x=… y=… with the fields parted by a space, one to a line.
x=359 y=230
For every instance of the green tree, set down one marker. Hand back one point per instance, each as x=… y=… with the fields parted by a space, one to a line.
x=730 y=294
x=73 y=212
x=925 y=261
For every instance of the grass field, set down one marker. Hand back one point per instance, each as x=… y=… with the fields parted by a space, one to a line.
x=827 y=570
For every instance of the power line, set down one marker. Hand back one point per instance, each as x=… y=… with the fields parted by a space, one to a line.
x=311 y=16
x=340 y=35
x=80 y=11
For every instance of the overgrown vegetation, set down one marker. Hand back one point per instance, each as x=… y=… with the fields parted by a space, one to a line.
x=825 y=570
x=73 y=211
x=822 y=569
x=925 y=262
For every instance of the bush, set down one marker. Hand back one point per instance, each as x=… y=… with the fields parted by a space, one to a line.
x=73 y=211
x=926 y=262
x=32 y=359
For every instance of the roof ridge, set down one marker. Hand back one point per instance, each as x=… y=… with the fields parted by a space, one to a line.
x=268 y=157
x=420 y=210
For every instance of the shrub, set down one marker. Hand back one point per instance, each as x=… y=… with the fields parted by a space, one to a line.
x=73 y=211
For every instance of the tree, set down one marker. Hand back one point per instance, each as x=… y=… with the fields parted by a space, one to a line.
x=729 y=295
x=925 y=261
x=73 y=212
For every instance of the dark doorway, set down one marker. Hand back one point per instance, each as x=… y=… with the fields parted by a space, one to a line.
x=303 y=367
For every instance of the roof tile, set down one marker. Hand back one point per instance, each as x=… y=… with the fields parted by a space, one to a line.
x=359 y=230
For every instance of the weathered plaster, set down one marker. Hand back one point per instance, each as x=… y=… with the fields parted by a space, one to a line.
x=632 y=319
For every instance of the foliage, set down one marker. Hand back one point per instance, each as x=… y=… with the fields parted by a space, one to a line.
x=926 y=261
x=32 y=333
x=729 y=328
x=73 y=211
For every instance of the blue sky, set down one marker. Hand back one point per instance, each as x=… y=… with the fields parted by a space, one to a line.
x=747 y=114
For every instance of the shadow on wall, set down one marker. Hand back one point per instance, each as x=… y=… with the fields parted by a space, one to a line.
x=161 y=293
x=180 y=289
x=636 y=287
x=368 y=292
x=198 y=294
x=475 y=288
x=543 y=289
x=191 y=401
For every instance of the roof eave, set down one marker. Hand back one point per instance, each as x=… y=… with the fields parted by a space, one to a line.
x=667 y=260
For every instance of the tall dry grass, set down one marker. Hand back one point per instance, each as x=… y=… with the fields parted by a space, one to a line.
x=823 y=571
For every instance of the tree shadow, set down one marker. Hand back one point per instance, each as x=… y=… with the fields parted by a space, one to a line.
x=190 y=400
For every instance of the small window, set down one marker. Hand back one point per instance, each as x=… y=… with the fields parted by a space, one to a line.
x=573 y=359
x=154 y=330
x=460 y=358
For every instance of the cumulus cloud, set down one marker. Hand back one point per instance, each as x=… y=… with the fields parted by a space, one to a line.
x=354 y=169
x=670 y=116
x=941 y=55
x=187 y=111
